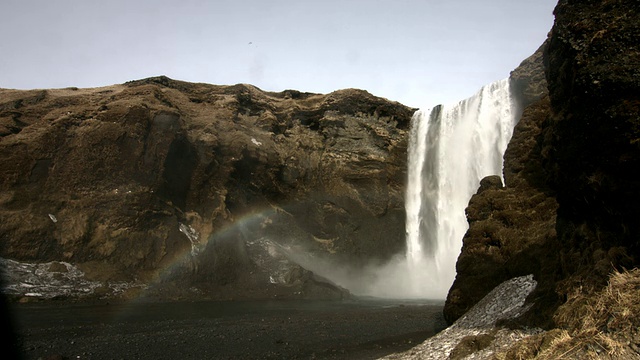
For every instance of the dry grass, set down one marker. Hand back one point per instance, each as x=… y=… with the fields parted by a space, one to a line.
x=601 y=324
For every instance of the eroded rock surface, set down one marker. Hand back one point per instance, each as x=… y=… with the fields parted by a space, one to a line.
x=162 y=179
x=591 y=145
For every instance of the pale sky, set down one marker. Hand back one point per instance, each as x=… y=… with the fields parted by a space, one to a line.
x=418 y=52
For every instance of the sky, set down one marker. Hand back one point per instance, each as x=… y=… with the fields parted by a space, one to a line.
x=418 y=52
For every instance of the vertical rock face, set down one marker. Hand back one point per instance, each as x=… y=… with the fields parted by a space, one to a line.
x=592 y=143
x=528 y=79
x=568 y=213
x=160 y=176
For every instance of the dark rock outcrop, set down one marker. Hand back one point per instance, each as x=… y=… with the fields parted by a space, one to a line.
x=568 y=213
x=528 y=80
x=194 y=182
x=591 y=146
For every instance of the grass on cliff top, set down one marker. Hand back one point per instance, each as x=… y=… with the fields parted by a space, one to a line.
x=601 y=324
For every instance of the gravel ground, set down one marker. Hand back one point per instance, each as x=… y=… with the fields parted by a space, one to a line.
x=224 y=330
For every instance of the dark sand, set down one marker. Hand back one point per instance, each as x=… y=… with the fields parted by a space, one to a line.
x=224 y=330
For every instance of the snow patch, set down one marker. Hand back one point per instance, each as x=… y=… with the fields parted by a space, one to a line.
x=52 y=279
x=506 y=301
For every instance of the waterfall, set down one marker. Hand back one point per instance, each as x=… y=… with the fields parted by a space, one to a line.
x=451 y=148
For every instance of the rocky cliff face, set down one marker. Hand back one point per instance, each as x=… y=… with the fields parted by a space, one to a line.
x=528 y=79
x=201 y=184
x=592 y=143
x=568 y=213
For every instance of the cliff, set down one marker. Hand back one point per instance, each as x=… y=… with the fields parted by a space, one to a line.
x=568 y=211
x=591 y=144
x=202 y=187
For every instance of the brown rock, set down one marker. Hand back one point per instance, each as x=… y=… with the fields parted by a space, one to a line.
x=590 y=146
x=528 y=79
x=121 y=167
